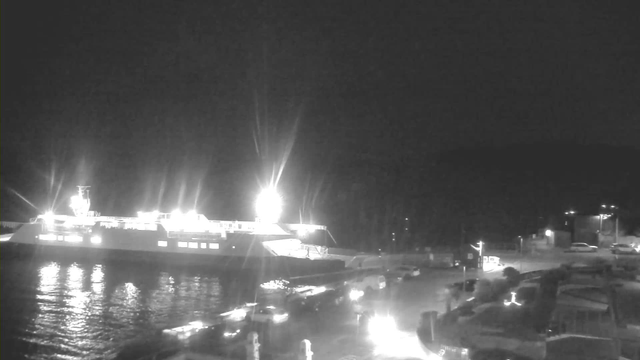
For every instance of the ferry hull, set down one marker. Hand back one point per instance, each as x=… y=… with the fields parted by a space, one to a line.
x=277 y=266
x=242 y=252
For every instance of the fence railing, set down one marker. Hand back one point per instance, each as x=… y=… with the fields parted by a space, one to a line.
x=11 y=224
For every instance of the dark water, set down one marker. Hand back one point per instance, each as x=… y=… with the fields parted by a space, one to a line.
x=53 y=309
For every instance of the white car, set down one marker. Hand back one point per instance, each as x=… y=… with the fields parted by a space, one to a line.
x=268 y=315
x=405 y=271
x=583 y=247
x=623 y=249
x=368 y=283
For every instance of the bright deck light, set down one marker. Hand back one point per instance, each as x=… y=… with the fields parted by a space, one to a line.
x=269 y=206
x=48 y=217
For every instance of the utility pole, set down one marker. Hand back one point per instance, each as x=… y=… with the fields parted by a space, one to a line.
x=479 y=249
x=521 y=245
x=601 y=216
x=616 y=211
x=571 y=216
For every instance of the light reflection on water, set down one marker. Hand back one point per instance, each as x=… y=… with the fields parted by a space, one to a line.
x=72 y=310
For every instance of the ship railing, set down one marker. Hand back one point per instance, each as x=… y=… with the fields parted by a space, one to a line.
x=315 y=251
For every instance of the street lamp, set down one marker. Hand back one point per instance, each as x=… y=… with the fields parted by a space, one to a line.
x=571 y=214
x=548 y=234
x=602 y=208
x=269 y=206
x=613 y=209
x=520 y=244
x=479 y=250
x=603 y=215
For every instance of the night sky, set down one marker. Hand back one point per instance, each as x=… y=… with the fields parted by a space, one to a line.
x=370 y=111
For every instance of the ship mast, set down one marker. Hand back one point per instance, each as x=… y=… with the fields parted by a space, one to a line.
x=81 y=203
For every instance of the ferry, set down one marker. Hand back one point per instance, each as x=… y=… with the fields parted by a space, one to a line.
x=188 y=238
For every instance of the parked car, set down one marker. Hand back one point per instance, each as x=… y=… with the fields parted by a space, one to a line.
x=623 y=249
x=469 y=285
x=368 y=283
x=405 y=272
x=582 y=247
x=268 y=315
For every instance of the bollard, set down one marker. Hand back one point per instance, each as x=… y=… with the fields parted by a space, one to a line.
x=433 y=327
x=305 y=350
x=253 y=346
x=464 y=279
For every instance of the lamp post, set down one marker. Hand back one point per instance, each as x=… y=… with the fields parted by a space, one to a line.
x=603 y=207
x=521 y=239
x=521 y=253
x=571 y=214
x=614 y=210
x=617 y=217
x=548 y=234
x=479 y=250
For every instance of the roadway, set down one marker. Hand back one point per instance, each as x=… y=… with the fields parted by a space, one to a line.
x=335 y=335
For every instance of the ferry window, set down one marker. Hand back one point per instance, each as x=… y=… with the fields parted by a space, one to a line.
x=48 y=237
x=214 y=246
x=193 y=245
x=73 y=238
x=182 y=244
x=162 y=243
x=203 y=245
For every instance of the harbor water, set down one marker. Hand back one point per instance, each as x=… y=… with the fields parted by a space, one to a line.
x=60 y=309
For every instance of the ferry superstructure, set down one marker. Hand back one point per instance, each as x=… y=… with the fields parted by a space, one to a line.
x=185 y=237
